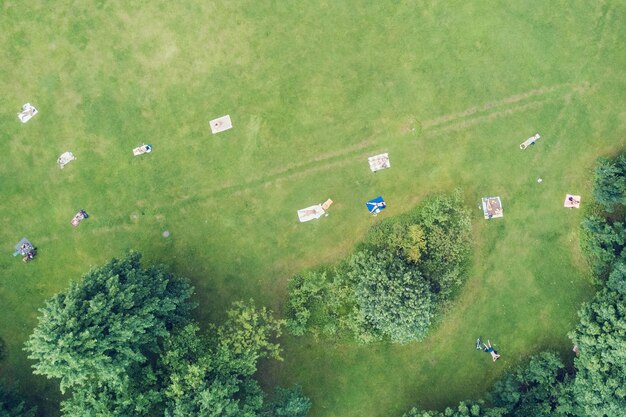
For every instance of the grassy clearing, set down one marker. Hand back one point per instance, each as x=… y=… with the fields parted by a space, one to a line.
x=449 y=90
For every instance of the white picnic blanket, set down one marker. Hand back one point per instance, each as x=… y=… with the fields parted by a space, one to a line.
x=142 y=149
x=221 y=124
x=571 y=201
x=310 y=213
x=65 y=158
x=492 y=207
x=27 y=113
x=529 y=141
x=378 y=162
x=78 y=217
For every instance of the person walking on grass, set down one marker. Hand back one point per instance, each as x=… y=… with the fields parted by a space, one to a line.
x=489 y=349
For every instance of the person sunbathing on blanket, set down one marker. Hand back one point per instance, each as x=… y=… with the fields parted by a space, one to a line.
x=489 y=349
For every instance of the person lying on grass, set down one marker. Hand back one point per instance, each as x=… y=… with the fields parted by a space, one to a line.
x=489 y=349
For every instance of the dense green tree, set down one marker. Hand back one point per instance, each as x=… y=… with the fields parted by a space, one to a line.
x=136 y=394
x=435 y=237
x=212 y=375
x=609 y=182
x=198 y=383
x=306 y=290
x=248 y=335
x=395 y=302
x=617 y=279
x=414 y=243
x=11 y=405
x=196 y=374
x=600 y=384
x=535 y=389
x=464 y=409
x=446 y=223
x=400 y=236
x=603 y=242
x=323 y=303
x=289 y=402
x=107 y=322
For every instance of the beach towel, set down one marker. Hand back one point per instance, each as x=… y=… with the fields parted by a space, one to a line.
x=79 y=217
x=27 y=113
x=65 y=158
x=530 y=141
x=571 y=201
x=310 y=213
x=378 y=162
x=221 y=124
x=140 y=150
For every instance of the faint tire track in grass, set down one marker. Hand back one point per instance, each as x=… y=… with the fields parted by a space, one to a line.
x=426 y=124
x=472 y=115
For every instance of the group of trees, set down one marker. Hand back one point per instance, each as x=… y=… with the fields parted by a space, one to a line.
x=609 y=183
x=600 y=383
x=596 y=387
x=122 y=342
x=604 y=229
x=394 y=284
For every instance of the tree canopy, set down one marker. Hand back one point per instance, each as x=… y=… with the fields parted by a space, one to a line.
x=609 y=182
x=202 y=380
x=107 y=322
x=196 y=374
x=289 y=402
x=464 y=409
x=600 y=384
x=212 y=374
x=394 y=300
x=603 y=241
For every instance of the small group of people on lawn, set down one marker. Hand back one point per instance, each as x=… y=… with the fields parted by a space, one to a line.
x=29 y=252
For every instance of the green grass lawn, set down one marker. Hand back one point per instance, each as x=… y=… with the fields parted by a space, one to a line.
x=313 y=88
